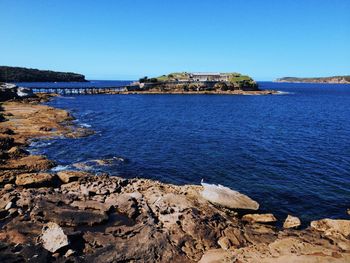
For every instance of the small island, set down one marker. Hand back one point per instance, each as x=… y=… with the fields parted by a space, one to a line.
x=19 y=74
x=333 y=80
x=198 y=83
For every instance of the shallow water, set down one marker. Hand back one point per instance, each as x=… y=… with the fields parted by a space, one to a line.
x=290 y=152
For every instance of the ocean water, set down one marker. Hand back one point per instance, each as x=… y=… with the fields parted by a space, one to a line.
x=290 y=152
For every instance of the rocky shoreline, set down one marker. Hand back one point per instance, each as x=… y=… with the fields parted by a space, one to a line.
x=75 y=216
x=214 y=92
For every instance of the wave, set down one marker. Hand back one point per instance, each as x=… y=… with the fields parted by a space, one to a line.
x=279 y=92
x=60 y=168
x=85 y=125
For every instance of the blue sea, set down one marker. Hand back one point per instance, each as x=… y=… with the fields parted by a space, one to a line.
x=290 y=152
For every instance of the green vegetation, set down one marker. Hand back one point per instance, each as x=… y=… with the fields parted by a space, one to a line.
x=334 y=79
x=188 y=82
x=241 y=80
x=17 y=74
x=184 y=76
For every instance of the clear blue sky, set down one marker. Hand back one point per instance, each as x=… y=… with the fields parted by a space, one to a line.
x=126 y=39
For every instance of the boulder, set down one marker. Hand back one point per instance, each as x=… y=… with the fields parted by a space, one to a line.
x=15 y=152
x=8 y=91
x=6 y=142
x=24 y=92
x=70 y=176
x=224 y=196
x=259 y=218
x=34 y=179
x=53 y=238
x=291 y=221
x=332 y=227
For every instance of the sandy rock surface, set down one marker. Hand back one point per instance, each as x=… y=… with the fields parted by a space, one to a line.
x=291 y=221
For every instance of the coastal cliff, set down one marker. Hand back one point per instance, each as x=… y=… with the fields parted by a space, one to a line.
x=76 y=216
x=19 y=74
x=334 y=80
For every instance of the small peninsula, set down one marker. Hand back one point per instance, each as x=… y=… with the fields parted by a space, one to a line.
x=198 y=83
x=333 y=80
x=20 y=74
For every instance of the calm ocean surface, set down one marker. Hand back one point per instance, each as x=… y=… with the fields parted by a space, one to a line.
x=289 y=152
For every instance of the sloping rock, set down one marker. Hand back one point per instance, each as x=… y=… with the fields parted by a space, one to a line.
x=224 y=196
x=332 y=227
x=291 y=221
x=53 y=237
x=34 y=179
x=259 y=218
x=70 y=176
x=16 y=152
x=68 y=216
x=216 y=256
x=31 y=163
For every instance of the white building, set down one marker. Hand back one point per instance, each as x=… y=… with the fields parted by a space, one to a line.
x=209 y=76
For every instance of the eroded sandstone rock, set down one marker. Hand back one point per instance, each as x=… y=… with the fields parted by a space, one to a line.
x=16 y=152
x=53 y=237
x=226 y=197
x=259 y=218
x=332 y=227
x=70 y=176
x=291 y=221
x=34 y=179
x=31 y=163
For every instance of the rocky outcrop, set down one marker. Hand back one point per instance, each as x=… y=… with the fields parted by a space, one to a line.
x=11 y=91
x=110 y=219
x=70 y=176
x=18 y=74
x=8 y=91
x=34 y=179
x=291 y=222
x=24 y=92
x=53 y=237
x=259 y=218
x=224 y=196
x=332 y=227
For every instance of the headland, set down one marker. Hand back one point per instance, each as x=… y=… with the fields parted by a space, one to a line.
x=331 y=80
x=20 y=74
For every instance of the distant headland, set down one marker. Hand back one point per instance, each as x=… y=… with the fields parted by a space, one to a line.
x=198 y=82
x=334 y=80
x=20 y=74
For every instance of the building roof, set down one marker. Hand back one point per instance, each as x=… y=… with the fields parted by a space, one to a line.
x=206 y=73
